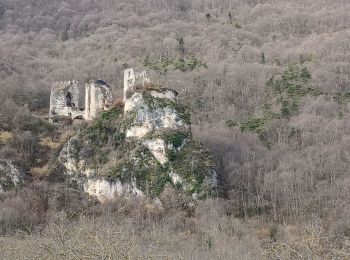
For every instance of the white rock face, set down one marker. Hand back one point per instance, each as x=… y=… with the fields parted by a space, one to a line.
x=132 y=103
x=136 y=99
x=137 y=131
x=168 y=94
x=158 y=149
x=102 y=189
x=175 y=178
x=70 y=159
x=72 y=162
x=9 y=175
x=105 y=190
x=149 y=119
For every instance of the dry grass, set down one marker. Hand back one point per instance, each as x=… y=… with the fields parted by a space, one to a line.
x=46 y=141
x=5 y=137
x=39 y=172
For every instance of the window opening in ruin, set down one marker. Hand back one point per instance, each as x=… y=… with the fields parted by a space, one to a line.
x=69 y=99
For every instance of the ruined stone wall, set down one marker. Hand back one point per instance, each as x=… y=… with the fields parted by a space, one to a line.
x=88 y=93
x=64 y=99
x=98 y=95
x=133 y=80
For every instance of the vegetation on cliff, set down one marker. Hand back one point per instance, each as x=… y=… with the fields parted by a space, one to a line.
x=104 y=148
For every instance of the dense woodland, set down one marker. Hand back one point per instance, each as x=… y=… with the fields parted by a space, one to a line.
x=268 y=86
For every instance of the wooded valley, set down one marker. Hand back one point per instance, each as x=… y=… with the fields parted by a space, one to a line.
x=267 y=83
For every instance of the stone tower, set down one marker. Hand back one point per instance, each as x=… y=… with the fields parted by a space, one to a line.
x=98 y=96
x=64 y=100
x=134 y=80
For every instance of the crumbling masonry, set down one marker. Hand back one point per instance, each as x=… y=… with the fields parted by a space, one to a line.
x=133 y=80
x=64 y=99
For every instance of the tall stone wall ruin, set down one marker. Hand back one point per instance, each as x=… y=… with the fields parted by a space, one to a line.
x=64 y=99
x=98 y=96
x=134 y=80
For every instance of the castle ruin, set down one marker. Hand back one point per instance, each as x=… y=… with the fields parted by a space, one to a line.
x=134 y=80
x=64 y=99
x=98 y=97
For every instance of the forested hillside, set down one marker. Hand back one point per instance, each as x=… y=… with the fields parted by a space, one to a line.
x=268 y=86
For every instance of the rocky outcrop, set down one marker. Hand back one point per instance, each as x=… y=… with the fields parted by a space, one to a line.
x=140 y=150
x=10 y=175
x=154 y=110
x=88 y=178
x=158 y=149
x=105 y=190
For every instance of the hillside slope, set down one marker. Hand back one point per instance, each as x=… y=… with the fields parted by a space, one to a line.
x=220 y=56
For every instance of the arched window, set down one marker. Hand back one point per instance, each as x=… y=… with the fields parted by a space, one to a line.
x=69 y=99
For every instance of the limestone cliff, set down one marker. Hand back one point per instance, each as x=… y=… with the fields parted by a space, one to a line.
x=10 y=175
x=139 y=150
